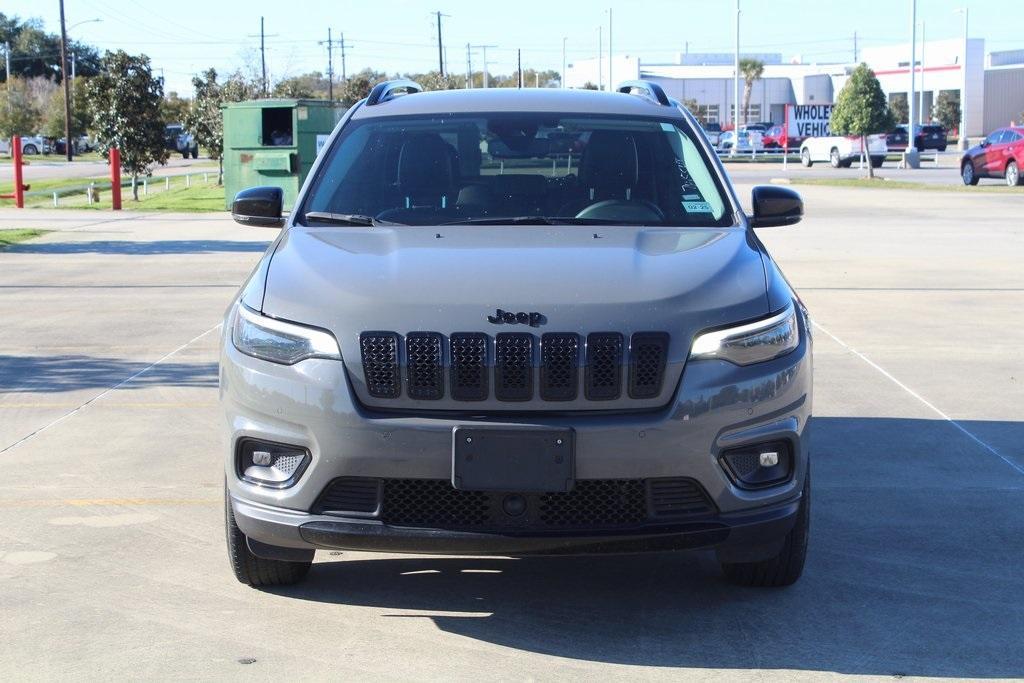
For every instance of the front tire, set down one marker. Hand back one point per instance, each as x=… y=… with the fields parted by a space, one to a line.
x=967 y=173
x=785 y=568
x=252 y=570
x=1012 y=174
x=805 y=157
x=876 y=162
x=30 y=149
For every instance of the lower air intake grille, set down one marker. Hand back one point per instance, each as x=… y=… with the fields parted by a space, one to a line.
x=469 y=366
x=604 y=366
x=423 y=365
x=380 y=363
x=348 y=495
x=596 y=503
x=433 y=503
x=678 y=498
x=592 y=504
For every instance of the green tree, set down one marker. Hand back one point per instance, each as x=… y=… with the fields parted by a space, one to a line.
x=19 y=114
x=861 y=109
x=81 y=117
x=947 y=109
x=899 y=107
x=204 y=119
x=307 y=86
x=125 y=102
x=359 y=85
x=589 y=86
x=37 y=53
x=751 y=70
x=173 y=108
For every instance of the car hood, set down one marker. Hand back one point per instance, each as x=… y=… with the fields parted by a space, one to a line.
x=581 y=279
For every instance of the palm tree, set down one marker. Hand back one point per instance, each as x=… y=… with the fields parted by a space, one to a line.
x=751 y=70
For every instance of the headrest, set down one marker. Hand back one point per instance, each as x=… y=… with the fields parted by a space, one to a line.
x=425 y=164
x=609 y=161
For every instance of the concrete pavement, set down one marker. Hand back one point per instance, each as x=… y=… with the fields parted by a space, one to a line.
x=112 y=559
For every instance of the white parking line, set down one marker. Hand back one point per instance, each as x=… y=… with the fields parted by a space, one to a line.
x=966 y=432
x=110 y=389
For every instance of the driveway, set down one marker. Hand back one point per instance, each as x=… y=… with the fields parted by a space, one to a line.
x=112 y=558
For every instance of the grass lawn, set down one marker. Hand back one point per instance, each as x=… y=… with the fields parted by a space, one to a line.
x=885 y=183
x=15 y=235
x=200 y=196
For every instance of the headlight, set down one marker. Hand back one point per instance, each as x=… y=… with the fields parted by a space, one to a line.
x=280 y=342
x=751 y=343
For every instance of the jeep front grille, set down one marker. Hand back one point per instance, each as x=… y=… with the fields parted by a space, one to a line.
x=520 y=365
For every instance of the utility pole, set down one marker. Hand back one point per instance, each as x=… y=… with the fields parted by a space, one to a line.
x=600 y=67
x=564 y=38
x=962 y=143
x=67 y=85
x=344 y=75
x=263 y=57
x=611 y=81
x=440 y=45
x=469 y=68
x=736 y=89
x=855 y=47
x=519 y=61
x=330 y=65
x=486 y=80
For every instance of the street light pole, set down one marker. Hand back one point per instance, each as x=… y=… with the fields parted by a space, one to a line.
x=611 y=80
x=962 y=143
x=911 y=158
x=920 y=110
x=736 y=89
x=564 y=38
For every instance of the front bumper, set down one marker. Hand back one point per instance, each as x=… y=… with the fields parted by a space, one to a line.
x=738 y=537
x=717 y=406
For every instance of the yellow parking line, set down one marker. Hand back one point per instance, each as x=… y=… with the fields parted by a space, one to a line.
x=109 y=502
x=180 y=404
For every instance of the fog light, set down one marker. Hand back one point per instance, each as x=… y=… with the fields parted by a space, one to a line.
x=271 y=464
x=759 y=465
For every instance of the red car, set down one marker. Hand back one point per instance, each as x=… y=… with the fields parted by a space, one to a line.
x=775 y=138
x=1000 y=155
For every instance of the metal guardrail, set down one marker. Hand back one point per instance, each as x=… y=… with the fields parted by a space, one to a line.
x=72 y=190
x=775 y=155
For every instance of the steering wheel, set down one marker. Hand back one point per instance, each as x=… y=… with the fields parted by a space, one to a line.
x=633 y=210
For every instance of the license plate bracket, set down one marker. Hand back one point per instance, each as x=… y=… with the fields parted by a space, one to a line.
x=523 y=459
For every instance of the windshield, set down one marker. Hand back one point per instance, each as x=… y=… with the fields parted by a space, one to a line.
x=435 y=170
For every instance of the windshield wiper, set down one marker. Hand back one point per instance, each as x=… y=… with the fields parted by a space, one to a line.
x=539 y=220
x=346 y=218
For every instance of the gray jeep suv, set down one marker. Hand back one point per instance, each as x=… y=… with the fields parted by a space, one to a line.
x=517 y=322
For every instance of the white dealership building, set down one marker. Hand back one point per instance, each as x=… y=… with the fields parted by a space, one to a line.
x=994 y=81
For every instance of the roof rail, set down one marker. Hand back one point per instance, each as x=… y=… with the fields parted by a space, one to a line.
x=646 y=89
x=389 y=90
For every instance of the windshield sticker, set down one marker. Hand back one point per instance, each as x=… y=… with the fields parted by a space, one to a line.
x=697 y=207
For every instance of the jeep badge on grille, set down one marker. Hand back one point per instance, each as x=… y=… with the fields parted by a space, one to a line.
x=500 y=317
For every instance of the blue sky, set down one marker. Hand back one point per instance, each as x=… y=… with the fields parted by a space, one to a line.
x=186 y=36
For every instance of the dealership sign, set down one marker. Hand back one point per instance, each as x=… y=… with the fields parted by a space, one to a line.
x=808 y=120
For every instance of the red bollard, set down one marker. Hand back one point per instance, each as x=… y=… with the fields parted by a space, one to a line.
x=19 y=189
x=115 y=178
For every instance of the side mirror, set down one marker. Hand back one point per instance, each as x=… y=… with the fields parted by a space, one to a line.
x=985 y=143
x=775 y=206
x=259 y=206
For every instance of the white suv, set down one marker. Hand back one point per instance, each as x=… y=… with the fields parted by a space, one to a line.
x=842 y=151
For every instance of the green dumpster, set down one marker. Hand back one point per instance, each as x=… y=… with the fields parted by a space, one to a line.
x=274 y=142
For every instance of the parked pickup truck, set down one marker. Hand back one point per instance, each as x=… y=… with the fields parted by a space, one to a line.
x=841 y=151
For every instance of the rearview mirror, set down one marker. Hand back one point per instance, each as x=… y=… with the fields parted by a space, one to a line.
x=259 y=206
x=774 y=206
